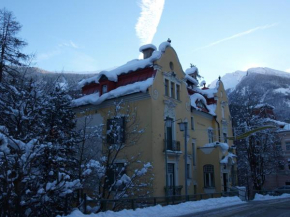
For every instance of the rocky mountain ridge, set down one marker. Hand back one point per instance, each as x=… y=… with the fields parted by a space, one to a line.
x=260 y=86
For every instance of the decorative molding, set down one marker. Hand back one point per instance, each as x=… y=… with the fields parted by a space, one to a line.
x=155 y=94
x=157 y=67
x=172 y=77
x=188 y=106
x=169 y=108
x=206 y=150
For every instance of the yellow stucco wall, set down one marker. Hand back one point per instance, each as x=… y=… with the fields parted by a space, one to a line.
x=152 y=113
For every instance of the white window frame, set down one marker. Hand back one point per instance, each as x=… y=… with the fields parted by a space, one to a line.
x=210 y=176
x=172 y=83
x=104 y=88
x=210 y=135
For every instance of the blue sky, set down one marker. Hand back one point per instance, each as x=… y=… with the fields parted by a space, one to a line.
x=217 y=36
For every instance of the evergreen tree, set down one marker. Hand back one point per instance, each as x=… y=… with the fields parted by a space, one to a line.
x=37 y=149
x=10 y=45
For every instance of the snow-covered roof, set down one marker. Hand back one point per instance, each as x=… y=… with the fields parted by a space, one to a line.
x=202 y=83
x=224 y=146
x=132 y=65
x=196 y=96
x=286 y=127
x=191 y=70
x=264 y=105
x=279 y=123
x=229 y=156
x=146 y=46
x=191 y=79
x=96 y=99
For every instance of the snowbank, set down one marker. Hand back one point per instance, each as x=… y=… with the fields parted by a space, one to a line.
x=179 y=209
x=170 y=210
x=259 y=197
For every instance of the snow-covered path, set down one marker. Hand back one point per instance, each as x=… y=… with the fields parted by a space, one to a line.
x=177 y=210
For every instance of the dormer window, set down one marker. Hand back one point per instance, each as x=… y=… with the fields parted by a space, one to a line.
x=104 y=88
x=171 y=66
x=200 y=104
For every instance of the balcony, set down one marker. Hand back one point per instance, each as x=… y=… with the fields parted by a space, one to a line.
x=172 y=146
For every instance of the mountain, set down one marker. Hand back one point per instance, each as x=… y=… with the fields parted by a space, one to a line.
x=71 y=78
x=260 y=86
x=230 y=80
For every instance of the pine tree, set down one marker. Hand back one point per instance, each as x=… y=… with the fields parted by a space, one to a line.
x=37 y=149
x=11 y=56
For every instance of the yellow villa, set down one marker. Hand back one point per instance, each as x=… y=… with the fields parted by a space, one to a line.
x=164 y=96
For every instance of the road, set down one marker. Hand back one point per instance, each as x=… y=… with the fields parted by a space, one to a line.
x=268 y=208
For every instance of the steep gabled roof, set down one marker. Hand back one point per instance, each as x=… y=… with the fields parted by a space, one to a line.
x=130 y=66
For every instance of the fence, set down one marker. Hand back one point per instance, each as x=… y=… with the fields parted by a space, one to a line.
x=133 y=203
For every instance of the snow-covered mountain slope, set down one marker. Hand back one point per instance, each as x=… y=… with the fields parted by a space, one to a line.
x=231 y=80
x=262 y=88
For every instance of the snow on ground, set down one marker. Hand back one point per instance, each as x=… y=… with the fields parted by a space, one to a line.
x=180 y=209
x=259 y=197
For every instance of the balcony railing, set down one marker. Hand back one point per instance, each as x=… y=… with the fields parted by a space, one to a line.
x=174 y=190
x=172 y=145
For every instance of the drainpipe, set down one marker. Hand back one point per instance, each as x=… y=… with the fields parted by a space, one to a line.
x=215 y=118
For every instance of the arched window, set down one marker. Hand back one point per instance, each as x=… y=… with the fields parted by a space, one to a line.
x=208 y=175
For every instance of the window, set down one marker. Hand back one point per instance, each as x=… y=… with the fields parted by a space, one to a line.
x=172 y=89
x=169 y=137
x=166 y=87
x=171 y=174
x=188 y=171
x=210 y=135
x=116 y=171
x=208 y=172
x=193 y=154
x=223 y=112
x=177 y=92
x=116 y=130
x=171 y=66
x=192 y=123
x=225 y=137
x=104 y=88
x=281 y=165
x=287 y=146
x=200 y=105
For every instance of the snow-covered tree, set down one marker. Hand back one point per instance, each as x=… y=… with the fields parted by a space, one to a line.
x=115 y=173
x=10 y=44
x=37 y=149
x=258 y=154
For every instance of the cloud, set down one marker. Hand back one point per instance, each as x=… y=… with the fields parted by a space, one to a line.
x=59 y=49
x=146 y=26
x=238 y=35
x=69 y=44
x=287 y=70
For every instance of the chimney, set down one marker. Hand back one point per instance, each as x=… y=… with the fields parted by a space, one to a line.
x=147 y=50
